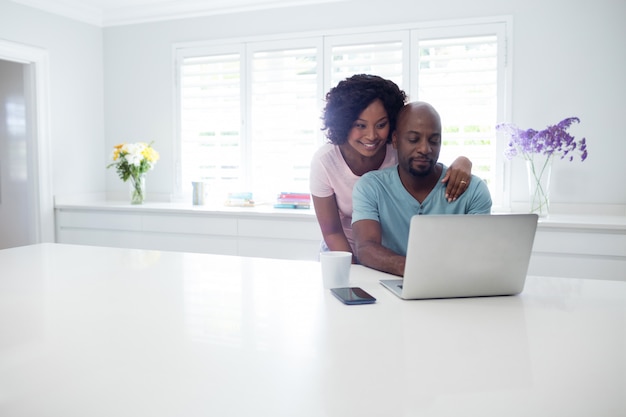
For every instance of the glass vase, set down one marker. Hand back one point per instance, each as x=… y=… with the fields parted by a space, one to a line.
x=137 y=189
x=539 y=170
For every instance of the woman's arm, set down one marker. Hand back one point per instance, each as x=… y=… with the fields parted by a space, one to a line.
x=327 y=214
x=457 y=178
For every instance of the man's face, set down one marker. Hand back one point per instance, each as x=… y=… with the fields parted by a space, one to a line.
x=418 y=140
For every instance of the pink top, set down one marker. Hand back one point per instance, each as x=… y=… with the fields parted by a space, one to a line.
x=331 y=175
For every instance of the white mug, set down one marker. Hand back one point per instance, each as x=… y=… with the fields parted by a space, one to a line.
x=336 y=268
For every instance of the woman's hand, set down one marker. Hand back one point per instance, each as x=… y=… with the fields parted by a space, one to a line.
x=457 y=178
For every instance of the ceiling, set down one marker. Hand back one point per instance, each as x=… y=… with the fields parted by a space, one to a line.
x=120 y=12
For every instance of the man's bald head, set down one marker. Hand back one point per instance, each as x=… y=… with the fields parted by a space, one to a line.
x=417 y=109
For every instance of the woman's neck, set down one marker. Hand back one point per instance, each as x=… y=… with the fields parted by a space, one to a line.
x=360 y=164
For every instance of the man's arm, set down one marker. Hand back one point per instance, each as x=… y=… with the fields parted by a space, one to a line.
x=370 y=252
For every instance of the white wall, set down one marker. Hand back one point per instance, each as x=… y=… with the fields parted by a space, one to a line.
x=76 y=92
x=568 y=61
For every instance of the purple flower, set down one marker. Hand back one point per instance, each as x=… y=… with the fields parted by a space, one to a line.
x=553 y=140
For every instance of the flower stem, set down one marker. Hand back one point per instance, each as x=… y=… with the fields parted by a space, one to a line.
x=137 y=189
x=539 y=183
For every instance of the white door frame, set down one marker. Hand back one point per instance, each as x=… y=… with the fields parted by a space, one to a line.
x=40 y=109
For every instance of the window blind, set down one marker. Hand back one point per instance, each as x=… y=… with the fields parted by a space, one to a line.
x=284 y=120
x=382 y=58
x=210 y=120
x=459 y=76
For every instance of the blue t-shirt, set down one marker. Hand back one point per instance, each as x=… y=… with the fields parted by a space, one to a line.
x=380 y=196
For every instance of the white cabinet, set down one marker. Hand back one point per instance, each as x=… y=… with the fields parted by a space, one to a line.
x=593 y=247
x=566 y=246
x=289 y=234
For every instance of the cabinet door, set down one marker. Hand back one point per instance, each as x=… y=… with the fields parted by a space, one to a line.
x=578 y=253
x=279 y=238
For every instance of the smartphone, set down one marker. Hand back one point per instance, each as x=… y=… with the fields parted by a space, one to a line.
x=353 y=295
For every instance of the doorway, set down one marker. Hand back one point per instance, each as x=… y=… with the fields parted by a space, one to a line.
x=17 y=198
x=26 y=202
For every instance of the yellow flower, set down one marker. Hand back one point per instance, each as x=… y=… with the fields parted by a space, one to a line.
x=150 y=154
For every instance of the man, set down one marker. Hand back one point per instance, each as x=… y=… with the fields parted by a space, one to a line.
x=385 y=200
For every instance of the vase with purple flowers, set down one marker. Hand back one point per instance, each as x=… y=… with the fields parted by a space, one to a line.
x=539 y=148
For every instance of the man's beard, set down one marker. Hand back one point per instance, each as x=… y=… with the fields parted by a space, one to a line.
x=423 y=173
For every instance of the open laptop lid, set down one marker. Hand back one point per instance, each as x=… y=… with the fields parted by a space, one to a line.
x=467 y=255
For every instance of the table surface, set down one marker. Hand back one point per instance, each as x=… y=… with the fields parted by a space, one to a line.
x=93 y=331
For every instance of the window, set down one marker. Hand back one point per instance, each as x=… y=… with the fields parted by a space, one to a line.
x=459 y=71
x=210 y=120
x=249 y=111
x=380 y=53
x=283 y=126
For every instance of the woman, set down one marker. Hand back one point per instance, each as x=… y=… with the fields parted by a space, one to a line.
x=359 y=117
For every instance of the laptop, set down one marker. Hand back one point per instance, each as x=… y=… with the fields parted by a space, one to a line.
x=466 y=256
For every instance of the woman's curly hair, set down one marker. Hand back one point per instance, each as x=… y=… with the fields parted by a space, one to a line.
x=346 y=101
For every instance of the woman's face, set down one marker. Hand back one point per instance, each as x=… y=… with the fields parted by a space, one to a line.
x=370 y=130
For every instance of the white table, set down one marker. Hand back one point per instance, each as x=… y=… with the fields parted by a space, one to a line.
x=92 y=331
